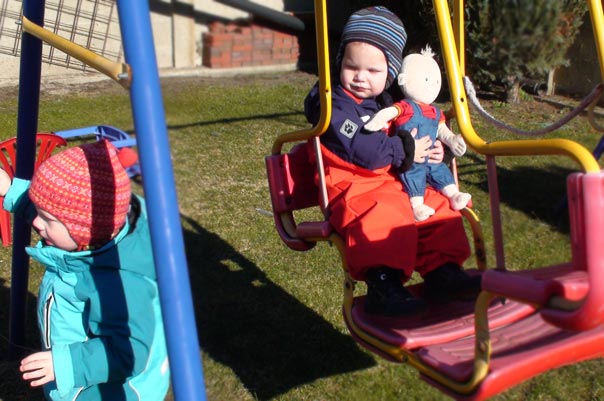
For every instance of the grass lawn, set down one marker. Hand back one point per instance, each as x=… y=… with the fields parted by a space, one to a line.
x=269 y=319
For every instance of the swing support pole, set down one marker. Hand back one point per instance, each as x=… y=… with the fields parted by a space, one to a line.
x=164 y=218
x=27 y=126
x=459 y=98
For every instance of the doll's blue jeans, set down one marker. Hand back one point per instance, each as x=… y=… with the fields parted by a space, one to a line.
x=415 y=179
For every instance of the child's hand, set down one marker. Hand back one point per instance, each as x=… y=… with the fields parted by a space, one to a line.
x=381 y=119
x=38 y=368
x=437 y=153
x=5 y=182
x=422 y=147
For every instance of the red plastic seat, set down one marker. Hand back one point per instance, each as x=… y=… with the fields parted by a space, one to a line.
x=46 y=144
x=292 y=187
x=439 y=324
x=521 y=351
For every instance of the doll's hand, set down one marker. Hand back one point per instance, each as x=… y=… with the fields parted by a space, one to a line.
x=381 y=119
x=437 y=153
x=38 y=368
x=458 y=145
x=5 y=182
x=454 y=142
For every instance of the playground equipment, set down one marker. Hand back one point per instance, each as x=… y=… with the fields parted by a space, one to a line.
x=551 y=316
x=116 y=136
x=46 y=144
x=599 y=149
x=93 y=24
x=142 y=81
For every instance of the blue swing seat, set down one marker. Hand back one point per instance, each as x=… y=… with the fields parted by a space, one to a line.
x=117 y=137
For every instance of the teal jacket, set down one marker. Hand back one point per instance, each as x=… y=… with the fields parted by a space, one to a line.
x=99 y=313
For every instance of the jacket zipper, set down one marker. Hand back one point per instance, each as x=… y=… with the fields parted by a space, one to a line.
x=47 y=306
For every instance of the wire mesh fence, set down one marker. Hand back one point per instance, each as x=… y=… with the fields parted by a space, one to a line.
x=92 y=24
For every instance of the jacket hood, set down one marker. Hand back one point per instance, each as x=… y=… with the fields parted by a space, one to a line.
x=127 y=251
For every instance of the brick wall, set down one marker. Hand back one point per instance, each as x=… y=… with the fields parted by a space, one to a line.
x=247 y=44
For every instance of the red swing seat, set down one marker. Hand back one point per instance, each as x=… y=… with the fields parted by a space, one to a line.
x=521 y=350
x=551 y=316
x=292 y=188
x=524 y=342
x=567 y=327
x=46 y=144
x=439 y=324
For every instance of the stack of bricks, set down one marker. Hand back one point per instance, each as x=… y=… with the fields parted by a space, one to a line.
x=236 y=45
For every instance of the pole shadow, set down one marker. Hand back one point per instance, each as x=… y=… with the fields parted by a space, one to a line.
x=12 y=386
x=245 y=321
x=537 y=192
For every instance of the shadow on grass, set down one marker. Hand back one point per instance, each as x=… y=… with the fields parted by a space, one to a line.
x=282 y=117
x=12 y=387
x=269 y=339
x=537 y=192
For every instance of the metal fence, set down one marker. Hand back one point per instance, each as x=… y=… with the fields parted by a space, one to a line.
x=92 y=24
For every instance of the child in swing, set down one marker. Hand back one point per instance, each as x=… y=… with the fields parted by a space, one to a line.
x=384 y=243
x=98 y=305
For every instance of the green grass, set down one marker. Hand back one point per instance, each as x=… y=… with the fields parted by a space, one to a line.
x=269 y=319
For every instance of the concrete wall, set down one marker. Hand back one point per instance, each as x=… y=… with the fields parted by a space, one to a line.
x=178 y=30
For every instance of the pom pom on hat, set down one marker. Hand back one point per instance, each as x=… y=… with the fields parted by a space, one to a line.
x=87 y=189
x=127 y=157
x=381 y=28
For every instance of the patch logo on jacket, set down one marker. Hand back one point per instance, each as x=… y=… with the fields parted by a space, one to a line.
x=348 y=128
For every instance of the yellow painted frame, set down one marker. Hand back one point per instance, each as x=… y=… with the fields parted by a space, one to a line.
x=119 y=72
x=455 y=71
x=451 y=34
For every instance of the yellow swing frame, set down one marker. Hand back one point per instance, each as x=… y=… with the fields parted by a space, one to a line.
x=451 y=33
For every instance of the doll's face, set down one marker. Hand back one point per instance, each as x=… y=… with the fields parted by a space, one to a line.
x=364 y=70
x=420 y=78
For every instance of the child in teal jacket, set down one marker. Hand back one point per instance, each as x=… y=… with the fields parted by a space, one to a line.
x=98 y=306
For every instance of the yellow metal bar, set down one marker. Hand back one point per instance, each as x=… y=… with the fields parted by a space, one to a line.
x=482 y=348
x=597 y=22
x=459 y=32
x=565 y=147
x=460 y=104
x=117 y=71
x=394 y=351
x=482 y=352
x=324 y=84
x=479 y=248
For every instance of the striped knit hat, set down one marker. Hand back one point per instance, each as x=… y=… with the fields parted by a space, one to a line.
x=381 y=28
x=87 y=189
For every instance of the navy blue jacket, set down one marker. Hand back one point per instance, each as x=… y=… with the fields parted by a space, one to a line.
x=346 y=136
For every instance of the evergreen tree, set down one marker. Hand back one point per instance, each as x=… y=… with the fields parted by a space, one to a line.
x=507 y=41
x=512 y=40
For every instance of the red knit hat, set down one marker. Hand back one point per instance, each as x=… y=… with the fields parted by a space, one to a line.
x=87 y=189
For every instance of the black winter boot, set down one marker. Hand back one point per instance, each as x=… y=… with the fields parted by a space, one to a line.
x=387 y=296
x=450 y=282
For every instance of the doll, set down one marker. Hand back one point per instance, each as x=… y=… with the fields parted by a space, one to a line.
x=420 y=82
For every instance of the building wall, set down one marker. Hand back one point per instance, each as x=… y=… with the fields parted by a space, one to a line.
x=178 y=26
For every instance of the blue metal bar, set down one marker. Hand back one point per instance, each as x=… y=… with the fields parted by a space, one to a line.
x=160 y=193
x=599 y=149
x=27 y=125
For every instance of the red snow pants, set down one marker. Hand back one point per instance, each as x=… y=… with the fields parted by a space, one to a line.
x=372 y=213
